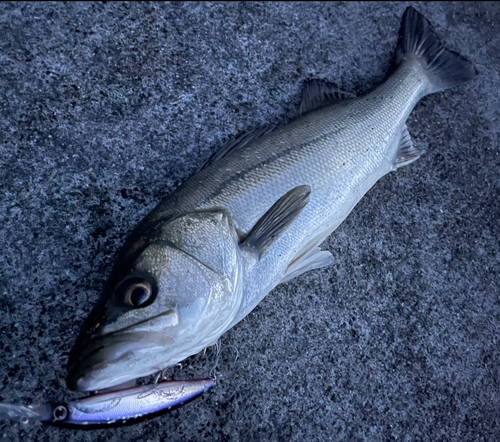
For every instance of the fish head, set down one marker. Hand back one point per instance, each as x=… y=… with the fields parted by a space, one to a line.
x=176 y=297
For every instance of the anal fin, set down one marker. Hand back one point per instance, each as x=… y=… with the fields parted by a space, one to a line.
x=407 y=153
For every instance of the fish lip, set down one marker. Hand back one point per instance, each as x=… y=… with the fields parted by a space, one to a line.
x=89 y=342
x=91 y=362
x=84 y=357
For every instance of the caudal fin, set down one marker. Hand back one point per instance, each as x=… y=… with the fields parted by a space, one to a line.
x=417 y=39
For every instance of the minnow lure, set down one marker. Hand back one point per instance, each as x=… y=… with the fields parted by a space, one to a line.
x=112 y=408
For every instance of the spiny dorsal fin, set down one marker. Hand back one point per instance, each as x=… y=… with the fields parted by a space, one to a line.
x=241 y=140
x=277 y=219
x=317 y=93
x=407 y=153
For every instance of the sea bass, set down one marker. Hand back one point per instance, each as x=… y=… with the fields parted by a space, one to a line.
x=253 y=217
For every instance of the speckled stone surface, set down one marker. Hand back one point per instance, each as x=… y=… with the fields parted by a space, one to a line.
x=105 y=108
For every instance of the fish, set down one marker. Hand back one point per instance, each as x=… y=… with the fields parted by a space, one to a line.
x=254 y=216
x=113 y=408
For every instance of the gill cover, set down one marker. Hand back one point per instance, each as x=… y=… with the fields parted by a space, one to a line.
x=203 y=275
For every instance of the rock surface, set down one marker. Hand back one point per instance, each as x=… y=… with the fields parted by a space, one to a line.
x=107 y=107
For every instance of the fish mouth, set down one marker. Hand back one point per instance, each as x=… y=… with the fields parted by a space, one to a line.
x=101 y=362
x=105 y=364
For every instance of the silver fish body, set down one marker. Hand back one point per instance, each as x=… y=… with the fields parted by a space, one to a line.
x=254 y=217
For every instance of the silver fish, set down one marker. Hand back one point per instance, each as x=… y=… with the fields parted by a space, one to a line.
x=254 y=217
x=113 y=408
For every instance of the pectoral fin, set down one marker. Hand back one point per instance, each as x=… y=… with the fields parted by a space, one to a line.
x=277 y=219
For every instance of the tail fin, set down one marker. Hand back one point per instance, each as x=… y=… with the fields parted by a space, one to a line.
x=417 y=39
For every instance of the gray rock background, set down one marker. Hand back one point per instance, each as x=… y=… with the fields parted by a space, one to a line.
x=105 y=108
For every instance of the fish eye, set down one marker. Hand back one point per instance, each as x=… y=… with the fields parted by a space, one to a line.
x=136 y=292
x=60 y=413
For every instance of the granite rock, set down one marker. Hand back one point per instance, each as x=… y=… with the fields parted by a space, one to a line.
x=105 y=108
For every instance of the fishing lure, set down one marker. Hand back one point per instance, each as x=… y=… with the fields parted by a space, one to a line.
x=112 y=408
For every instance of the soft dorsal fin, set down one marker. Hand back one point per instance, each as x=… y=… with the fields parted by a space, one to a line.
x=277 y=219
x=241 y=140
x=407 y=153
x=317 y=93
